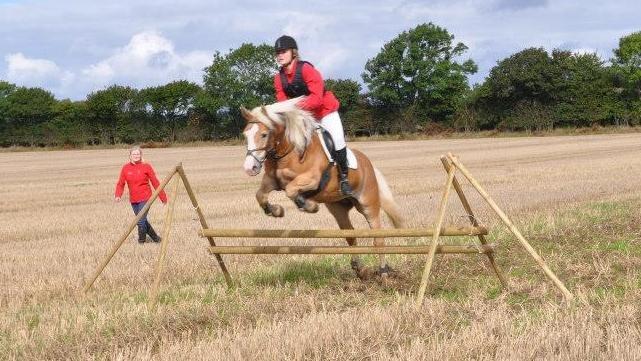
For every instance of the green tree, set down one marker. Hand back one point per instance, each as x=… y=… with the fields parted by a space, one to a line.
x=5 y=90
x=523 y=81
x=353 y=109
x=626 y=67
x=242 y=77
x=528 y=115
x=417 y=73
x=110 y=112
x=169 y=106
x=583 y=91
x=563 y=89
x=525 y=76
x=68 y=126
x=346 y=91
x=27 y=109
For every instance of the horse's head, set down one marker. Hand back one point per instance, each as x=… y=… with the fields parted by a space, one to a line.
x=273 y=131
x=259 y=137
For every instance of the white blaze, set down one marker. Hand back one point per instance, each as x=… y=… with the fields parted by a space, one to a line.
x=250 y=162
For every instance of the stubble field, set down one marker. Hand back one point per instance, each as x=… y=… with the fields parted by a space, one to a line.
x=576 y=199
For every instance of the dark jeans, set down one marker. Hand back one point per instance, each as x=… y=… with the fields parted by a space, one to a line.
x=143 y=223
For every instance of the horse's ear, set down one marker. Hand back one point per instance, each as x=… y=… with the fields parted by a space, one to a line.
x=264 y=111
x=246 y=114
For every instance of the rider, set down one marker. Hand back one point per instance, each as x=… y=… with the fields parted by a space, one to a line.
x=296 y=78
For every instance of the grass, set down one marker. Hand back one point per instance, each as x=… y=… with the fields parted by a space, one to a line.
x=292 y=289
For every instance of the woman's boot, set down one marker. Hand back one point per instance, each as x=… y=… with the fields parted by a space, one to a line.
x=142 y=234
x=152 y=233
x=343 y=169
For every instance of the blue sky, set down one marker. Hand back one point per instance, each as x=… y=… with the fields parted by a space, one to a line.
x=74 y=47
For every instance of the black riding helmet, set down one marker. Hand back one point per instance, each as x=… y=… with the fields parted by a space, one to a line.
x=285 y=42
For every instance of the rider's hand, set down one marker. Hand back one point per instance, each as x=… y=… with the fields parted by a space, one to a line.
x=117 y=199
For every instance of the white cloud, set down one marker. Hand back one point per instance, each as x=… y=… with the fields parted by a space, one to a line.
x=148 y=59
x=72 y=47
x=35 y=72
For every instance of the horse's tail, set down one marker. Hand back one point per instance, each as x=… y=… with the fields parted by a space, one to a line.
x=387 y=201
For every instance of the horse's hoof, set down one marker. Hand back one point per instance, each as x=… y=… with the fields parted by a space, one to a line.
x=357 y=265
x=277 y=211
x=384 y=271
x=364 y=274
x=311 y=207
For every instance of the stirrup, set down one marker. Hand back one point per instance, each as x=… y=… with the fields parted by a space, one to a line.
x=345 y=188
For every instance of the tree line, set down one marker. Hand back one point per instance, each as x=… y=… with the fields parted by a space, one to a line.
x=416 y=83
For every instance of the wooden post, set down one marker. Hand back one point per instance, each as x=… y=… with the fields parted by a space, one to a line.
x=166 y=231
x=435 y=237
x=548 y=272
x=466 y=205
x=203 y=222
x=122 y=239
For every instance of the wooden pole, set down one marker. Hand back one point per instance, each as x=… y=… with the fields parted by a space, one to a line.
x=340 y=233
x=466 y=205
x=548 y=272
x=203 y=223
x=166 y=231
x=122 y=239
x=435 y=237
x=469 y=249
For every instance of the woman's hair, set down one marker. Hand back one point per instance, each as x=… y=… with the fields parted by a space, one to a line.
x=136 y=148
x=295 y=54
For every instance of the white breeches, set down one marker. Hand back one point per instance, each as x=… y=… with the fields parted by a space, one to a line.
x=332 y=122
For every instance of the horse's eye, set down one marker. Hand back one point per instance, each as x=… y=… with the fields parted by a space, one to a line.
x=264 y=135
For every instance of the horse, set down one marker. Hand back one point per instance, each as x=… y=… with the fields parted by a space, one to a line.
x=283 y=138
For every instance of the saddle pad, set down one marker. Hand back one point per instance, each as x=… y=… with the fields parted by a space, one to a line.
x=351 y=158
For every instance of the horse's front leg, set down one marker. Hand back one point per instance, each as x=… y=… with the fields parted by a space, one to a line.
x=267 y=185
x=299 y=185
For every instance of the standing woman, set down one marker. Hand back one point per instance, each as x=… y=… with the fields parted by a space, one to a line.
x=137 y=174
x=296 y=78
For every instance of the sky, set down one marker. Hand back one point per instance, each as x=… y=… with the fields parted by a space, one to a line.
x=74 y=47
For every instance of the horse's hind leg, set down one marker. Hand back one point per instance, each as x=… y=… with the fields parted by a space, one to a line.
x=340 y=211
x=372 y=214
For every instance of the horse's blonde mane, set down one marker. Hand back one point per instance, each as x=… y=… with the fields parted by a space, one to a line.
x=299 y=124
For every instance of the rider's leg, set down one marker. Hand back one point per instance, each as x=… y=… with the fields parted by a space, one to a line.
x=332 y=122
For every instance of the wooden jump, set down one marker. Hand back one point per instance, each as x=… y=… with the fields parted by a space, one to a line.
x=451 y=165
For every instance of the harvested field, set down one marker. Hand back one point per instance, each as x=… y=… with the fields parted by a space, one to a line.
x=576 y=199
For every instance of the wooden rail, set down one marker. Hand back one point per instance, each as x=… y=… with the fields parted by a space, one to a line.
x=340 y=233
x=487 y=248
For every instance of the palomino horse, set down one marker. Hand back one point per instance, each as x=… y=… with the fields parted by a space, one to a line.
x=282 y=137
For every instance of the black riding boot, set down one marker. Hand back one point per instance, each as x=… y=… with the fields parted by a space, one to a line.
x=142 y=234
x=152 y=233
x=341 y=162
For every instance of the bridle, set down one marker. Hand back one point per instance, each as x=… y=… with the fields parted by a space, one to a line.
x=270 y=152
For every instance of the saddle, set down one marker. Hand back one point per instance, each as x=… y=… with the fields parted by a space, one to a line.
x=328 y=146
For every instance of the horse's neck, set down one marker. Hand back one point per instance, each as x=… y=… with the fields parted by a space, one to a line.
x=285 y=146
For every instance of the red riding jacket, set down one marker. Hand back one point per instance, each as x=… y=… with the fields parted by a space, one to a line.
x=137 y=176
x=319 y=101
